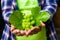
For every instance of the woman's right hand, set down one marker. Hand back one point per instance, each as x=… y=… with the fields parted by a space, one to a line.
x=16 y=31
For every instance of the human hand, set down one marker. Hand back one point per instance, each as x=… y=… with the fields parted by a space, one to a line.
x=16 y=31
x=34 y=29
x=31 y=31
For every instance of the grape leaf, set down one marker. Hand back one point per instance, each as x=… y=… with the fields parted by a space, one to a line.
x=16 y=19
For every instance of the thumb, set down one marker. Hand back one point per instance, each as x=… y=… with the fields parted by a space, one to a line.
x=12 y=28
x=42 y=24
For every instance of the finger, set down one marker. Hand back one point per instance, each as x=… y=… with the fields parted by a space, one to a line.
x=28 y=32
x=42 y=24
x=12 y=28
x=35 y=27
x=32 y=31
x=16 y=32
x=22 y=32
x=35 y=30
x=25 y=31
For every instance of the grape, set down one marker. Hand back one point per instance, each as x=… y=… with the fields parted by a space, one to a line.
x=32 y=22
x=28 y=21
x=31 y=18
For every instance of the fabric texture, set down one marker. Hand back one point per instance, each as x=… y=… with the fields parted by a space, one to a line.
x=47 y=5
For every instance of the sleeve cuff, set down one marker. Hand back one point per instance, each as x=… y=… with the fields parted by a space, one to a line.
x=48 y=12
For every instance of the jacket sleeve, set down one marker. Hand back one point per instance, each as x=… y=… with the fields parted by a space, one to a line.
x=50 y=6
x=7 y=9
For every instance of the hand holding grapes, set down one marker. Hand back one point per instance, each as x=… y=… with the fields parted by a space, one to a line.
x=31 y=31
x=35 y=29
x=17 y=31
x=27 y=22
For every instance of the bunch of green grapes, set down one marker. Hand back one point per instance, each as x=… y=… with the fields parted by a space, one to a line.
x=28 y=20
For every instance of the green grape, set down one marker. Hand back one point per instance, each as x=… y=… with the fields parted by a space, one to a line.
x=24 y=16
x=27 y=28
x=27 y=21
x=31 y=18
x=32 y=22
x=23 y=25
x=30 y=26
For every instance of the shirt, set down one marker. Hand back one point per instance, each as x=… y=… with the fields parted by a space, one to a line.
x=47 y=5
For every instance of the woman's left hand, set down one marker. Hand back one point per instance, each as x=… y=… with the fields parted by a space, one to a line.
x=34 y=29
